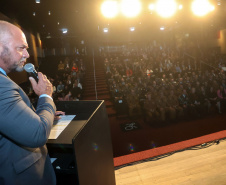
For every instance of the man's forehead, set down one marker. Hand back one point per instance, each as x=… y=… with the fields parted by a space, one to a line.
x=20 y=37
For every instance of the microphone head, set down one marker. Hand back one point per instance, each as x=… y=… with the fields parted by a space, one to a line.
x=29 y=67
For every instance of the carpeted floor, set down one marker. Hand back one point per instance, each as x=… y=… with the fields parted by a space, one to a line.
x=149 y=137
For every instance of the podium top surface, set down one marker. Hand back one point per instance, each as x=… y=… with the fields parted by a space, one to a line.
x=83 y=110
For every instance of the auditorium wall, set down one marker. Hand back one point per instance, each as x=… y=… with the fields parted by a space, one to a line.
x=219 y=41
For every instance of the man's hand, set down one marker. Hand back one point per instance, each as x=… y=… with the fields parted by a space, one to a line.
x=43 y=86
x=57 y=115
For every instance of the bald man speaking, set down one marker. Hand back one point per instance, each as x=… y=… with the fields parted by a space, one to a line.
x=24 y=131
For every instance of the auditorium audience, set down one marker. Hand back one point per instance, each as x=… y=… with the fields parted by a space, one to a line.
x=157 y=83
x=166 y=83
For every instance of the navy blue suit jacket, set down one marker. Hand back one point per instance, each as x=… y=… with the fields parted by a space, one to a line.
x=24 y=131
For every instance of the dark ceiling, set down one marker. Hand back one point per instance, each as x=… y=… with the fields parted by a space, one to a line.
x=72 y=14
x=84 y=21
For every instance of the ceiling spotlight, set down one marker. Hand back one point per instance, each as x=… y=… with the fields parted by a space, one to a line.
x=58 y=23
x=166 y=8
x=109 y=9
x=105 y=30
x=180 y=7
x=64 y=30
x=162 y=28
x=34 y=14
x=37 y=1
x=132 y=28
x=131 y=8
x=49 y=12
x=151 y=7
x=202 y=7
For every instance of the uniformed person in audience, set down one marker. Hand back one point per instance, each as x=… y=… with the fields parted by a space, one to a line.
x=173 y=103
x=133 y=103
x=151 y=113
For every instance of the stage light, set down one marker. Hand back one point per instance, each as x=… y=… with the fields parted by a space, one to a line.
x=49 y=12
x=109 y=9
x=64 y=30
x=162 y=28
x=151 y=7
x=34 y=13
x=180 y=7
x=37 y=1
x=132 y=29
x=219 y=2
x=201 y=7
x=105 y=30
x=166 y=8
x=130 y=8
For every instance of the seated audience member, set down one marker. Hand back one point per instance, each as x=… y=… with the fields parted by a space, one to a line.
x=69 y=81
x=74 y=69
x=184 y=102
x=173 y=103
x=77 y=83
x=60 y=66
x=60 y=87
x=195 y=104
x=213 y=99
x=133 y=104
x=68 y=96
x=204 y=102
x=162 y=108
x=150 y=107
x=67 y=66
x=129 y=72
x=221 y=94
x=76 y=91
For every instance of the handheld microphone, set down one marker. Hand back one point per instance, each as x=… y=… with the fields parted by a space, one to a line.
x=31 y=71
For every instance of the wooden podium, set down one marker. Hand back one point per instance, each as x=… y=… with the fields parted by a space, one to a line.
x=83 y=151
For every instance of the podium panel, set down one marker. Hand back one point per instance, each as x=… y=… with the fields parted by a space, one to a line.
x=83 y=151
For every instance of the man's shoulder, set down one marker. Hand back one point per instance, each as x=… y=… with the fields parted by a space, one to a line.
x=6 y=82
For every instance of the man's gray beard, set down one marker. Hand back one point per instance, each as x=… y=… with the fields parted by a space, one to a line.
x=19 y=68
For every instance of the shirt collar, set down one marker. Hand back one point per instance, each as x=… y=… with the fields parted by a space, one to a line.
x=1 y=70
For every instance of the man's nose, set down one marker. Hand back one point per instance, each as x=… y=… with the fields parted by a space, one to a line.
x=26 y=54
